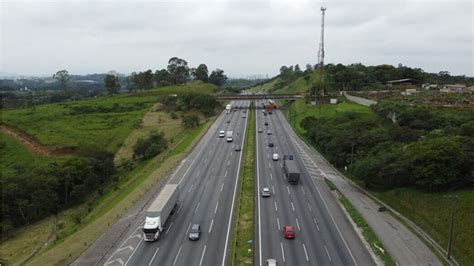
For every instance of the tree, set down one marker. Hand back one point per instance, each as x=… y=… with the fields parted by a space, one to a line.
x=112 y=84
x=201 y=73
x=163 y=77
x=309 y=69
x=178 y=69
x=190 y=120
x=63 y=77
x=217 y=77
x=148 y=147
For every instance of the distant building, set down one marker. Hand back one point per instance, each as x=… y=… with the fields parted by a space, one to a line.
x=454 y=88
x=427 y=86
x=410 y=92
x=390 y=83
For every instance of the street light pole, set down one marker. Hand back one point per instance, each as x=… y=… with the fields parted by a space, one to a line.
x=451 y=225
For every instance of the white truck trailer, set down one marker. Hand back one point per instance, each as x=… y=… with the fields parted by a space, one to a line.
x=229 y=136
x=159 y=211
x=228 y=109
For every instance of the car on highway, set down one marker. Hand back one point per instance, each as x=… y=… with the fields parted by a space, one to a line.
x=266 y=192
x=276 y=157
x=195 y=232
x=266 y=123
x=237 y=147
x=228 y=121
x=269 y=132
x=289 y=232
x=244 y=116
x=270 y=144
x=271 y=262
x=260 y=130
x=221 y=134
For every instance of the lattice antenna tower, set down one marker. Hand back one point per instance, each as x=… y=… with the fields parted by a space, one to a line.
x=321 y=44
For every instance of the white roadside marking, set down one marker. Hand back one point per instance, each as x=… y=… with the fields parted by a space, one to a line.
x=282 y=251
x=327 y=252
x=120 y=261
x=133 y=252
x=202 y=256
x=278 y=223
x=273 y=189
x=276 y=209
x=169 y=227
x=292 y=206
x=154 y=255
x=217 y=206
x=210 y=227
x=305 y=253
x=287 y=188
x=177 y=255
x=197 y=207
x=298 y=224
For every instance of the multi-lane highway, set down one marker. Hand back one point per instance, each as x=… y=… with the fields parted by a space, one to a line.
x=324 y=236
x=207 y=193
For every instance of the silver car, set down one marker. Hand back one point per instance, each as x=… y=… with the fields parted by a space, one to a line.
x=195 y=232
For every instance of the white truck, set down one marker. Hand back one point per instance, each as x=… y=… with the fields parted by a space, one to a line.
x=229 y=136
x=228 y=109
x=159 y=211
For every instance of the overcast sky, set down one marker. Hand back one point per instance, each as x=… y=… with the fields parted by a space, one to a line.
x=242 y=37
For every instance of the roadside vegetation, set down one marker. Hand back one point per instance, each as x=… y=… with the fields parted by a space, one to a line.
x=242 y=235
x=110 y=139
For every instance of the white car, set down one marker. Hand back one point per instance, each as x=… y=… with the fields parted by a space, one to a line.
x=221 y=134
x=266 y=192
x=276 y=157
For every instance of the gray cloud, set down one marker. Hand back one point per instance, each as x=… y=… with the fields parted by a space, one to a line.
x=241 y=37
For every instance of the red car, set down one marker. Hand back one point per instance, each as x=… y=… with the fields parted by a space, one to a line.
x=289 y=232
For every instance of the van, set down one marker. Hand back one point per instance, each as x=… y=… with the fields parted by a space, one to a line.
x=271 y=262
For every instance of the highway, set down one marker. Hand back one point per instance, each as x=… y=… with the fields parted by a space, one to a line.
x=324 y=236
x=207 y=193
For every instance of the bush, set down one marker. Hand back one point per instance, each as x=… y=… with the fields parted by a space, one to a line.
x=190 y=121
x=146 y=148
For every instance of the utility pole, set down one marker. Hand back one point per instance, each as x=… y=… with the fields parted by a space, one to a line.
x=451 y=225
x=321 y=56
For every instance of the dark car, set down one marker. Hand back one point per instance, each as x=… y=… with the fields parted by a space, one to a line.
x=266 y=123
x=195 y=232
x=289 y=232
x=270 y=144
x=237 y=147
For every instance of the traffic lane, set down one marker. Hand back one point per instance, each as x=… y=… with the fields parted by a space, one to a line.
x=334 y=242
x=291 y=252
x=358 y=249
x=306 y=221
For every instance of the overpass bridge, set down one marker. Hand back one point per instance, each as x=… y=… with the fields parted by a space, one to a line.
x=259 y=97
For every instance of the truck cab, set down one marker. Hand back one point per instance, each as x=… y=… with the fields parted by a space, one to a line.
x=152 y=229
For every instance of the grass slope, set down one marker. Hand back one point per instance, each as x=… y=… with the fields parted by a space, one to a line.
x=57 y=125
x=267 y=87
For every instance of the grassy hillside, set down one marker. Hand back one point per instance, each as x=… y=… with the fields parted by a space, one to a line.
x=264 y=87
x=299 y=85
x=104 y=122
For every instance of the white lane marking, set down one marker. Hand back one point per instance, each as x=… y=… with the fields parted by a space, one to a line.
x=228 y=162
x=222 y=186
x=271 y=176
x=282 y=251
x=292 y=206
x=177 y=255
x=233 y=199
x=278 y=223
x=287 y=188
x=302 y=190
x=133 y=252
x=217 y=206
x=210 y=227
x=225 y=174
x=212 y=170
x=169 y=227
x=269 y=165
x=258 y=201
x=197 y=207
x=305 y=253
x=152 y=258
x=189 y=190
x=334 y=222
x=202 y=256
x=231 y=154
x=327 y=252
x=298 y=224
x=273 y=189
x=276 y=209
x=189 y=226
x=316 y=223
x=309 y=207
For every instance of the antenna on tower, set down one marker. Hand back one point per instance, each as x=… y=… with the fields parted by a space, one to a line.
x=321 y=44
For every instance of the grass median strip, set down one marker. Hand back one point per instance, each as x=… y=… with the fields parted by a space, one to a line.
x=242 y=234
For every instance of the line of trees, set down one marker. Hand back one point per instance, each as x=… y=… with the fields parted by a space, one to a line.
x=427 y=148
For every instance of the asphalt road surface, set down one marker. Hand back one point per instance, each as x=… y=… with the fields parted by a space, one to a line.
x=207 y=193
x=324 y=235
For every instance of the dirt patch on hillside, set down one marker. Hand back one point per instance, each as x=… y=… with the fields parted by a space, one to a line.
x=33 y=145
